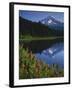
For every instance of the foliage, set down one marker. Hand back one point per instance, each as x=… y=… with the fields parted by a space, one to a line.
x=30 y=67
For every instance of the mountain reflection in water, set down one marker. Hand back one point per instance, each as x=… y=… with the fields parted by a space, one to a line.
x=48 y=51
x=52 y=55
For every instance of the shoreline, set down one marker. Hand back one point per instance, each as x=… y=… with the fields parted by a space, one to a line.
x=41 y=38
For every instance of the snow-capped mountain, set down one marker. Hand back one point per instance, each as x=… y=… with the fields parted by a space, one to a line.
x=53 y=23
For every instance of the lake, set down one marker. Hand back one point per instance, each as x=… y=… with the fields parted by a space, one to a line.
x=48 y=51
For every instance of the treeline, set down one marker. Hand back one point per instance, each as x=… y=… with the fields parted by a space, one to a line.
x=27 y=27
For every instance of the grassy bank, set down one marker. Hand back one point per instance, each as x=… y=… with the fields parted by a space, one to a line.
x=30 y=67
x=39 y=38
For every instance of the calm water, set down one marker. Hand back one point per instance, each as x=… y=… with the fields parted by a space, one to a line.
x=48 y=51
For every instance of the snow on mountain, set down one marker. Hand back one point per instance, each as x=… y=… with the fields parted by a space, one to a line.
x=52 y=22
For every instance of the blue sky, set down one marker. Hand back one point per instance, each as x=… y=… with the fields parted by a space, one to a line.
x=36 y=16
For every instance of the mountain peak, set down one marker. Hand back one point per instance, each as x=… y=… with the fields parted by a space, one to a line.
x=50 y=19
x=52 y=22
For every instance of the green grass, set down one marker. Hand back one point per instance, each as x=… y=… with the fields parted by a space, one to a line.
x=30 y=67
x=39 y=38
